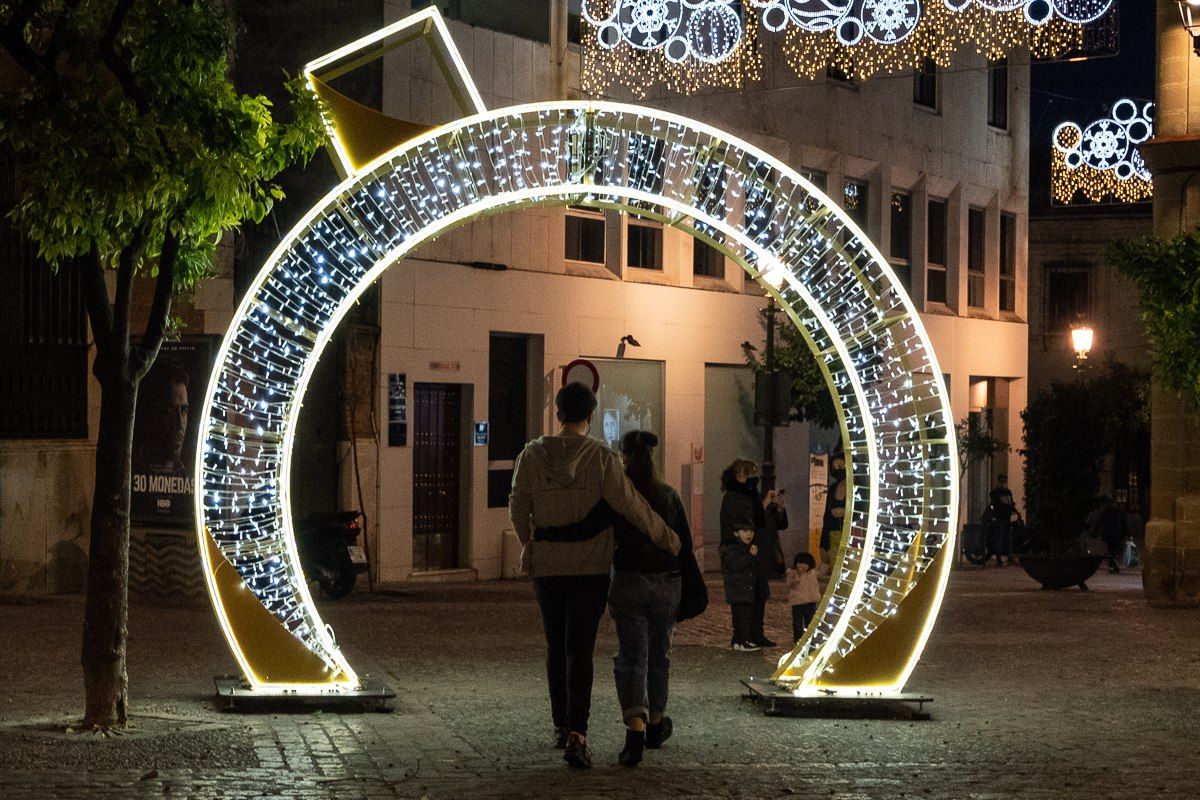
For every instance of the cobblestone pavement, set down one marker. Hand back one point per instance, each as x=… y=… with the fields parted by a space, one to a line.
x=1038 y=695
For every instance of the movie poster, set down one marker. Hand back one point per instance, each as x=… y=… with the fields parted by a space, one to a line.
x=165 y=431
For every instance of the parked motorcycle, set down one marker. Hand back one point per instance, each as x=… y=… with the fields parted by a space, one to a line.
x=329 y=551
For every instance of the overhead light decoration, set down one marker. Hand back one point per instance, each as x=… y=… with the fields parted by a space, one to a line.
x=685 y=45
x=1101 y=162
x=829 y=279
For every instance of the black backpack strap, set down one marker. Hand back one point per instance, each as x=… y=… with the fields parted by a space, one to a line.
x=599 y=519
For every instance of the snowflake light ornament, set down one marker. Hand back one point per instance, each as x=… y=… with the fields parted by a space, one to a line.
x=1101 y=161
x=688 y=44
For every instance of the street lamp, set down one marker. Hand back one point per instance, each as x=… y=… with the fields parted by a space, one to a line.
x=1082 y=339
x=1189 y=12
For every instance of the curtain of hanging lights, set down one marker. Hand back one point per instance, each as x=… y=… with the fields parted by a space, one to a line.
x=683 y=46
x=1101 y=162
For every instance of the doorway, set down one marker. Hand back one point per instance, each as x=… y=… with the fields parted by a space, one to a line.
x=437 y=475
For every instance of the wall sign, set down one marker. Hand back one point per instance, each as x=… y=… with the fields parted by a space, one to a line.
x=481 y=434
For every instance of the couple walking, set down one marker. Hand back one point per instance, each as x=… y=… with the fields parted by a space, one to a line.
x=599 y=533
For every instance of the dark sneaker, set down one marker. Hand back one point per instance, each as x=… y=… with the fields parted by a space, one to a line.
x=560 y=738
x=635 y=747
x=576 y=753
x=765 y=642
x=657 y=734
x=747 y=647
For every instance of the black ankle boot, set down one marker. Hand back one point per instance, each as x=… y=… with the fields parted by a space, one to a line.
x=657 y=734
x=635 y=747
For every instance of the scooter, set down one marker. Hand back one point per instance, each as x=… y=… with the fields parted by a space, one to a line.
x=330 y=553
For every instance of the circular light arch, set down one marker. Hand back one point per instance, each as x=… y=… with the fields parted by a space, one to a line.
x=833 y=284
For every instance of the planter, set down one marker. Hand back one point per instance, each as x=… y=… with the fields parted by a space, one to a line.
x=1055 y=571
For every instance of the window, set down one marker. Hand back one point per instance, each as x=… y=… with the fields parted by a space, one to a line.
x=854 y=201
x=925 y=85
x=43 y=337
x=585 y=235
x=574 y=23
x=707 y=260
x=759 y=208
x=901 y=238
x=645 y=243
x=935 y=269
x=816 y=177
x=1067 y=295
x=998 y=94
x=528 y=19
x=976 y=238
x=1008 y=263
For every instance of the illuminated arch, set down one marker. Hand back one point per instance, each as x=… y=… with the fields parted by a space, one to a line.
x=829 y=279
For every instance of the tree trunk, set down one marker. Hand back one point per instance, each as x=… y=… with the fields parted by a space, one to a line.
x=106 y=610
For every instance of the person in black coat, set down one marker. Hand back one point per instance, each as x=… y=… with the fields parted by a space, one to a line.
x=749 y=537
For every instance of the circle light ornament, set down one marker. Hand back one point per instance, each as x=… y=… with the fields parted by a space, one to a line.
x=1101 y=162
x=829 y=279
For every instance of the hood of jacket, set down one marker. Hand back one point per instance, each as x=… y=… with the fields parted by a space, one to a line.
x=561 y=458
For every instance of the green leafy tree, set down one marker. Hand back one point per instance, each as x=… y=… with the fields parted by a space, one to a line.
x=135 y=154
x=811 y=399
x=976 y=445
x=1167 y=273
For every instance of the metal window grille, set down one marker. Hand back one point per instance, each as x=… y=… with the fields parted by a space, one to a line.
x=43 y=336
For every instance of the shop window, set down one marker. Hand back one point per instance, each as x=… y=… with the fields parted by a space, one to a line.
x=508 y=410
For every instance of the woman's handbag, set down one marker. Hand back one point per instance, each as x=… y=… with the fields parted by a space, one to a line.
x=693 y=594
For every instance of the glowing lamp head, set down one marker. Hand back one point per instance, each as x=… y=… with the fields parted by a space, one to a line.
x=1189 y=12
x=1082 y=339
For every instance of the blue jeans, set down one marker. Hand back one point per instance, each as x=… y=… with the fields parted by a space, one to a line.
x=644 y=606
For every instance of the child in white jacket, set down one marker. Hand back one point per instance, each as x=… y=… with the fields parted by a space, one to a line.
x=803 y=592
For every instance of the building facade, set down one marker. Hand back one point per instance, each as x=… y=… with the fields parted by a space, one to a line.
x=478 y=327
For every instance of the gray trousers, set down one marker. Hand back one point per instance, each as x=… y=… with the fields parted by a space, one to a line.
x=643 y=606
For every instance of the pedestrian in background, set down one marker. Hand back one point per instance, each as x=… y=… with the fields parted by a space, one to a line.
x=803 y=592
x=644 y=603
x=745 y=563
x=564 y=493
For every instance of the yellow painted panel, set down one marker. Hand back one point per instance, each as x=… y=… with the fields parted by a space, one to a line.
x=364 y=133
x=883 y=657
x=272 y=654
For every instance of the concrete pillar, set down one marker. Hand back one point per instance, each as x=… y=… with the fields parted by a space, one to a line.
x=1171 y=559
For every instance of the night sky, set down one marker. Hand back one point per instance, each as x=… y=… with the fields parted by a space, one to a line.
x=1082 y=91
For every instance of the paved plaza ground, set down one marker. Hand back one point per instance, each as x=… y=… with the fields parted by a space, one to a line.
x=1038 y=695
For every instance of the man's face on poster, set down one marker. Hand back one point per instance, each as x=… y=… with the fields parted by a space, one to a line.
x=176 y=419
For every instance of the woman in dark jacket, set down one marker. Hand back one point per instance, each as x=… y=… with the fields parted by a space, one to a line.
x=749 y=536
x=643 y=599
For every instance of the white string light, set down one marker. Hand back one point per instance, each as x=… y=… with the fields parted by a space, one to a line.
x=830 y=280
x=1102 y=161
x=680 y=44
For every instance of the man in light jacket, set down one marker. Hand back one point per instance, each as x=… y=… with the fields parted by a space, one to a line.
x=572 y=483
